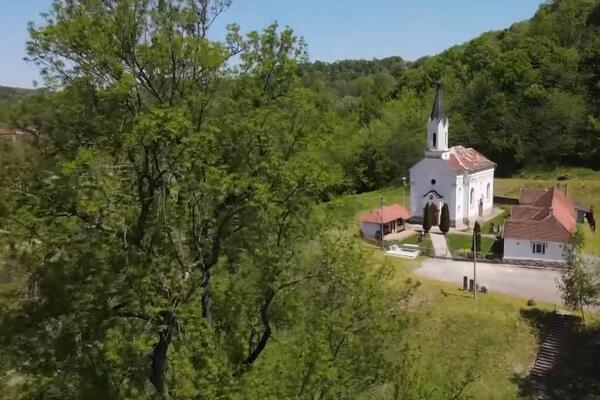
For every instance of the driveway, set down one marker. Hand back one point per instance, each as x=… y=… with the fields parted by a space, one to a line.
x=440 y=247
x=538 y=284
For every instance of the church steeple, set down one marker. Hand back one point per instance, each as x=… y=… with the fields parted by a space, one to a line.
x=437 y=127
x=437 y=111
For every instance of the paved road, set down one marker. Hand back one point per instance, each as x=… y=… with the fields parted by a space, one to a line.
x=539 y=284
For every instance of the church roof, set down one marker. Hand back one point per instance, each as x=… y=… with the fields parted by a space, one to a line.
x=468 y=159
x=549 y=217
x=437 y=111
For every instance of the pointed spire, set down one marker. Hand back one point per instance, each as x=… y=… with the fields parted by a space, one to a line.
x=437 y=112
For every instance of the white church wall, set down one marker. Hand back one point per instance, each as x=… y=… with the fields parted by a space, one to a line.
x=439 y=128
x=422 y=175
x=478 y=182
x=459 y=204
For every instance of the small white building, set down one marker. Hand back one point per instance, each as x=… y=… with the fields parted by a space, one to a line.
x=539 y=228
x=391 y=218
x=458 y=176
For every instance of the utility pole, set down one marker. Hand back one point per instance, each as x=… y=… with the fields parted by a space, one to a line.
x=476 y=231
x=403 y=187
x=381 y=220
x=474 y=266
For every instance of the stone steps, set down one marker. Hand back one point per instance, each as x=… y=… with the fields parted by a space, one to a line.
x=548 y=353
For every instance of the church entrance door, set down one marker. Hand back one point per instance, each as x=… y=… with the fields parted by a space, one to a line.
x=434 y=214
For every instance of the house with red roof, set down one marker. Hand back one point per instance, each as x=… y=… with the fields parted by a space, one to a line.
x=539 y=227
x=391 y=219
x=458 y=176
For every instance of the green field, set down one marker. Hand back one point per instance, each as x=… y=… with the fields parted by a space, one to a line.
x=459 y=242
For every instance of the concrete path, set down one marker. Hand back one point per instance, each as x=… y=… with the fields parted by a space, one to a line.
x=440 y=247
x=539 y=284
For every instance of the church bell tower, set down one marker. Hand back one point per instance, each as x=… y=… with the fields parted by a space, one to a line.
x=437 y=128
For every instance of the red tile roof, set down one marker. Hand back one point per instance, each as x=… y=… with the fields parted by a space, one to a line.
x=530 y=195
x=468 y=159
x=550 y=217
x=390 y=213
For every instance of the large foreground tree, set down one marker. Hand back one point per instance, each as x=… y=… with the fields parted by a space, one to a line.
x=167 y=224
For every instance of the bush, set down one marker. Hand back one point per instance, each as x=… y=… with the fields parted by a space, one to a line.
x=531 y=302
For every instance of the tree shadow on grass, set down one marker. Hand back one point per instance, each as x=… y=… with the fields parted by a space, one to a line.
x=576 y=373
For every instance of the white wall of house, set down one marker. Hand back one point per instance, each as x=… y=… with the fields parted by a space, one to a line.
x=369 y=229
x=522 y=249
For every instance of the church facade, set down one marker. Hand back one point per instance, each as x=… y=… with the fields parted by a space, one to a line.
x=457 y=176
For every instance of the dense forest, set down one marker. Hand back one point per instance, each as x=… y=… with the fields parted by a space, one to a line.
x=526 y=96
x=165 y=228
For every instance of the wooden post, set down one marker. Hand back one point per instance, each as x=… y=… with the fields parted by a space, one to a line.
x=474 y=265
x=465 y=283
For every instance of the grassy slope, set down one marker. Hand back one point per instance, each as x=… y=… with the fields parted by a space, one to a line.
x=452 y=333
x=582 y=186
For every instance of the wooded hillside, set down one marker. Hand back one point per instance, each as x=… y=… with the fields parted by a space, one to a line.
x=526 y=97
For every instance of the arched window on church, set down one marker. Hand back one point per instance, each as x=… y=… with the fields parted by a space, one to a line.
x=472 y=196
x=487 y=192
x=434 y=141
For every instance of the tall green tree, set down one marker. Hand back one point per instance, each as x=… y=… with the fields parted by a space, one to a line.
x=445 y=219
x=476 y=242
x=426 y=218
x=168 y=220
x=580 y=286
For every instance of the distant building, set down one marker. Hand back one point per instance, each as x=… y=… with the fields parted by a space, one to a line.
x=458 y=176
x=539 y=228
x=392 y=218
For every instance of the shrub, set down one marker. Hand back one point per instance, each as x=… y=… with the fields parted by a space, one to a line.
x=445 y=219
x=426 y=218
x=531 y=302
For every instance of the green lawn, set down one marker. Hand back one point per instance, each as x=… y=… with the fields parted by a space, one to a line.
x=498 y=220
x=414 y=239
x=459 y=242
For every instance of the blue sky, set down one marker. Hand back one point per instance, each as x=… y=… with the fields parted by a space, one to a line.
x=333 y=29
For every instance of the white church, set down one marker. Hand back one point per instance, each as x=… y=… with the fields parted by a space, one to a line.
x=461 y=177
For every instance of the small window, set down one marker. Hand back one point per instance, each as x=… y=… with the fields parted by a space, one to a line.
x=487 y=192
x=538 y=248
x=471 y=196
x=434 y=141
x=433 y=181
